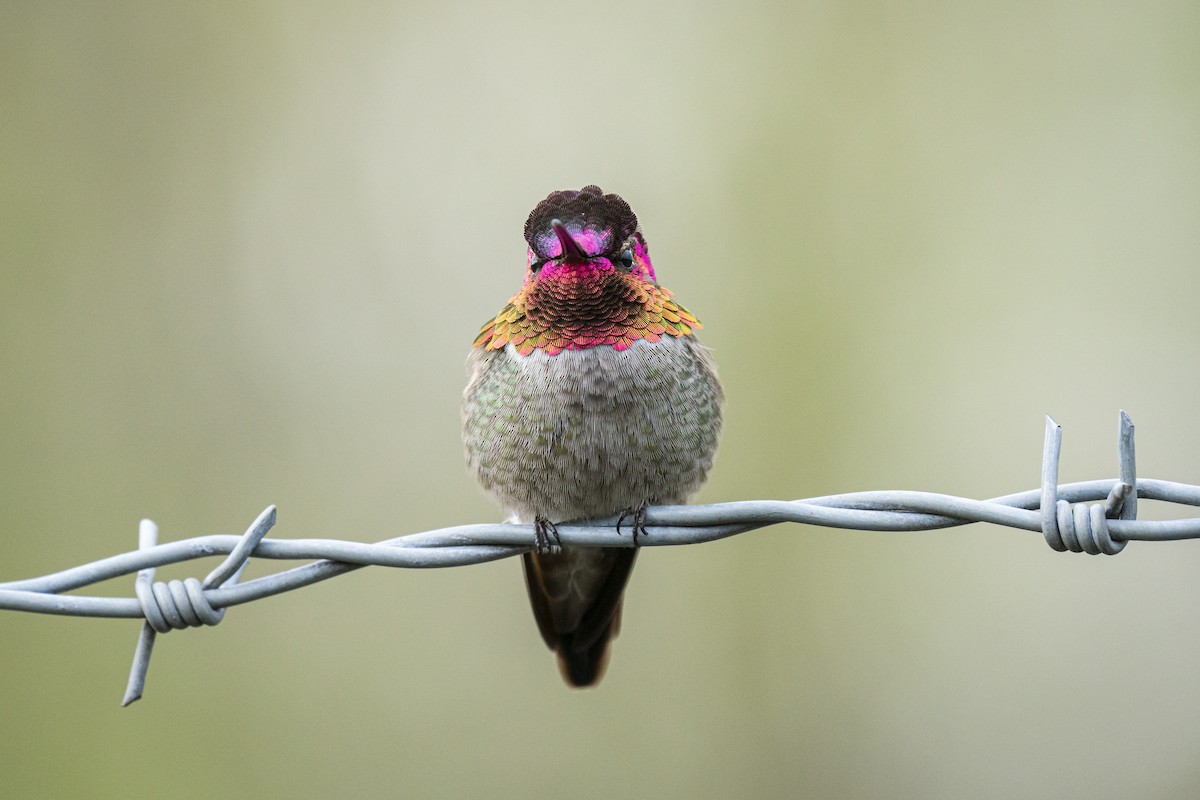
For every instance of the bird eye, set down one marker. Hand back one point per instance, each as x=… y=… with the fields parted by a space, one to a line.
x=627 y=259
x=535 y=266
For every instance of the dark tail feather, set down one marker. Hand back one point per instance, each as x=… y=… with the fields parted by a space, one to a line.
x=582 y=653
x=584 y=666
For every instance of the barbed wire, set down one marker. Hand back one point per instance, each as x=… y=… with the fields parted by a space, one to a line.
x=1095 y=517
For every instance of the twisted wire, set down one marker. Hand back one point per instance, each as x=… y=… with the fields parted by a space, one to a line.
x=1093 y=517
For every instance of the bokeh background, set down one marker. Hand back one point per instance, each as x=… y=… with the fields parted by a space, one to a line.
x=245 y=247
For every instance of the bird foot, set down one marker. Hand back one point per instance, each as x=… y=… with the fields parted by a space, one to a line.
x=639 y=522
x=543 y=529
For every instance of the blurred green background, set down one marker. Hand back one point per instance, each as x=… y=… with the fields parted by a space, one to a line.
x=245 y=247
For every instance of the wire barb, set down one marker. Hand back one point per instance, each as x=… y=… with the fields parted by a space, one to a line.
x=1083 y=528
x=180 y=604
x=1093 y=517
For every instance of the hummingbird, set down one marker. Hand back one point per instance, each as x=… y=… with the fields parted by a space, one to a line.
x=589 y=397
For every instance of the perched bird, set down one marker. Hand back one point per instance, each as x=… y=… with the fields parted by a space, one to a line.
x=589 y=397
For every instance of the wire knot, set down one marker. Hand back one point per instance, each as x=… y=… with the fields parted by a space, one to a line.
x=1083 y=527
x=175 y=605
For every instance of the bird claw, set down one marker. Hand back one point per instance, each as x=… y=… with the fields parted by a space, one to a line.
x=639 y=522
x=543 y=529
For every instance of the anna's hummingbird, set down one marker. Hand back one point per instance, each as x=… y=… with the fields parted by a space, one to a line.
x=589 y=397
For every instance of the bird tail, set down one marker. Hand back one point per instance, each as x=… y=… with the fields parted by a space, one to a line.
x=584 y=666
x=578 y=628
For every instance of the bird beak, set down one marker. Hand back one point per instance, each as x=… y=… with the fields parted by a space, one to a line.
x=571 y=251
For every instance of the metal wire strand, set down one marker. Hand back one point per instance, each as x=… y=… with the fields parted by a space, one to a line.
x=1094 y=517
